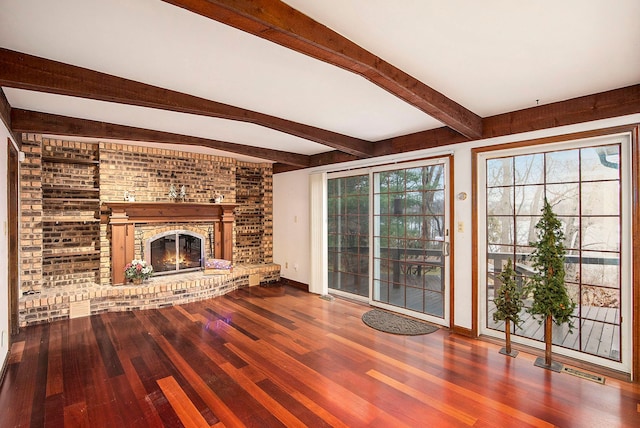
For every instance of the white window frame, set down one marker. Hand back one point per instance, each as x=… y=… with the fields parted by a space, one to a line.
x=626 y=292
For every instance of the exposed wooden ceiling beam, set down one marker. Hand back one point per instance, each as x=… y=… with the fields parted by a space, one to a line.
x=278 y=22
x=19 y=70
x=603 y=105
x=45 y=123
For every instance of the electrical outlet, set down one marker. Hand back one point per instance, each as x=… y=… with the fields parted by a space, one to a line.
x=460 y=227
x=286 y=265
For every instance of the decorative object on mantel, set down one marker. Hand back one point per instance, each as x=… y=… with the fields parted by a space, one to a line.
x=176 y=195
x=137 y=271
x=217 y=267
x=129 y=196
x=217 y=198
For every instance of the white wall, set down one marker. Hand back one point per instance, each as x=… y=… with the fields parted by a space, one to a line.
x=4 y=249
x=291 y=202
x=291 y=230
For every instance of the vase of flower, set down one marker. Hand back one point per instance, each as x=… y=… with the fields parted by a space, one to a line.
x=137 y=271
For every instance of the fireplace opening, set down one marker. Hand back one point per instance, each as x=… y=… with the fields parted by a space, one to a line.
x=176 y=252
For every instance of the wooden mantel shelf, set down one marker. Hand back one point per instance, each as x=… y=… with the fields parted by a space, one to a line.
x=125 y=215
x=162 y=212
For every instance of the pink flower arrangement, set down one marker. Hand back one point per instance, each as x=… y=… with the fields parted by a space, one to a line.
x=138 y=269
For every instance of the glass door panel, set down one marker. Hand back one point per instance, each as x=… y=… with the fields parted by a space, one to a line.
x=410 y=240
x=348 y=234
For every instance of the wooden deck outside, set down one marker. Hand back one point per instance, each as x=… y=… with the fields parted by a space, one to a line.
x=599 y=336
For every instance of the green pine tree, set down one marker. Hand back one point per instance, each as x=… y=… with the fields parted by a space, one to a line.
x=509 y=303
x=550 y=298
x=508 y=298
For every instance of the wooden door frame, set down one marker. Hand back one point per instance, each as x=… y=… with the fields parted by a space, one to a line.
x=12 y=229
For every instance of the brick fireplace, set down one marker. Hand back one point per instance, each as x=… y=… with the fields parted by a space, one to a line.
x=126 y=216
x=72 y=199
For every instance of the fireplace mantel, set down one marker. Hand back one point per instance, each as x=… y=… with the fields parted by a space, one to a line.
x=125 y=215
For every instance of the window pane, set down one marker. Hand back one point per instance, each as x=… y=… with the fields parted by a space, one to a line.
x=601 y=233
x=529 y=169
x=564 y=198
x=563 y=166
x=500 y=201
x=601 y=198
x=600 y=268
x=529 y=199
x=500 y=230
x=600 y=163
x=525 y=229
x=500 y=172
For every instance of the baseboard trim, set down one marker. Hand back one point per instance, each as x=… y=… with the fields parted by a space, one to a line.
x=299 y=285
x=463 y=331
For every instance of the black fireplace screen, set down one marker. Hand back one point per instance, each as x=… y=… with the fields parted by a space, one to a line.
x=177 y=252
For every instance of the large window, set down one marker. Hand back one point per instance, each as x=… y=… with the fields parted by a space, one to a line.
x=584 y=184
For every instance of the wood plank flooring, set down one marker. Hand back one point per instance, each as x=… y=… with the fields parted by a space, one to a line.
x=267 y=357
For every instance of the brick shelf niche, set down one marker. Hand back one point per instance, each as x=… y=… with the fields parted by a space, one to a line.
x=125 y=215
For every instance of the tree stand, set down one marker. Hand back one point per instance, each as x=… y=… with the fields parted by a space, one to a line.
x=546 y=362
x=506 y=350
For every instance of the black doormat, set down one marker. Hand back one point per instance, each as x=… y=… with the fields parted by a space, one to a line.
x=396 y=324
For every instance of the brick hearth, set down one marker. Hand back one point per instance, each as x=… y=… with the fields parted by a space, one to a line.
x=61 y=302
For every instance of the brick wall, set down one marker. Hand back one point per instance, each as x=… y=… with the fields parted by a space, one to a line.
x=254 y=216
x=31 y=214
x=148 y=172
x=145 y=172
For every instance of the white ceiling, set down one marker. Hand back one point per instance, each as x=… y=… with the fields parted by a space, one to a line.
x=492 y=57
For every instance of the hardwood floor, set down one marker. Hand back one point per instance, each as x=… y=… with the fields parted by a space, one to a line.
x=281 y=357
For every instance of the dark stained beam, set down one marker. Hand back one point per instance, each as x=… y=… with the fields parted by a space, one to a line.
x=603 y=105
x=277 y=22
x=19 y=70
x=45 y=123
x=417 y=141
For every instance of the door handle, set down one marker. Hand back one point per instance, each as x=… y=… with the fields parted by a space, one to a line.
x=445 y=249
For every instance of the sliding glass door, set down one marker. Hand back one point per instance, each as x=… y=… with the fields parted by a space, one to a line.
x=388 y=237
x=410 y=236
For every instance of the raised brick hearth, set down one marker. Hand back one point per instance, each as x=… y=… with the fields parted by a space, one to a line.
x=66 y=235
x=158 y=292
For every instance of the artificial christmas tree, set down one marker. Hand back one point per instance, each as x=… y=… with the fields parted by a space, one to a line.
x=508 y=301
x=550 y=298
